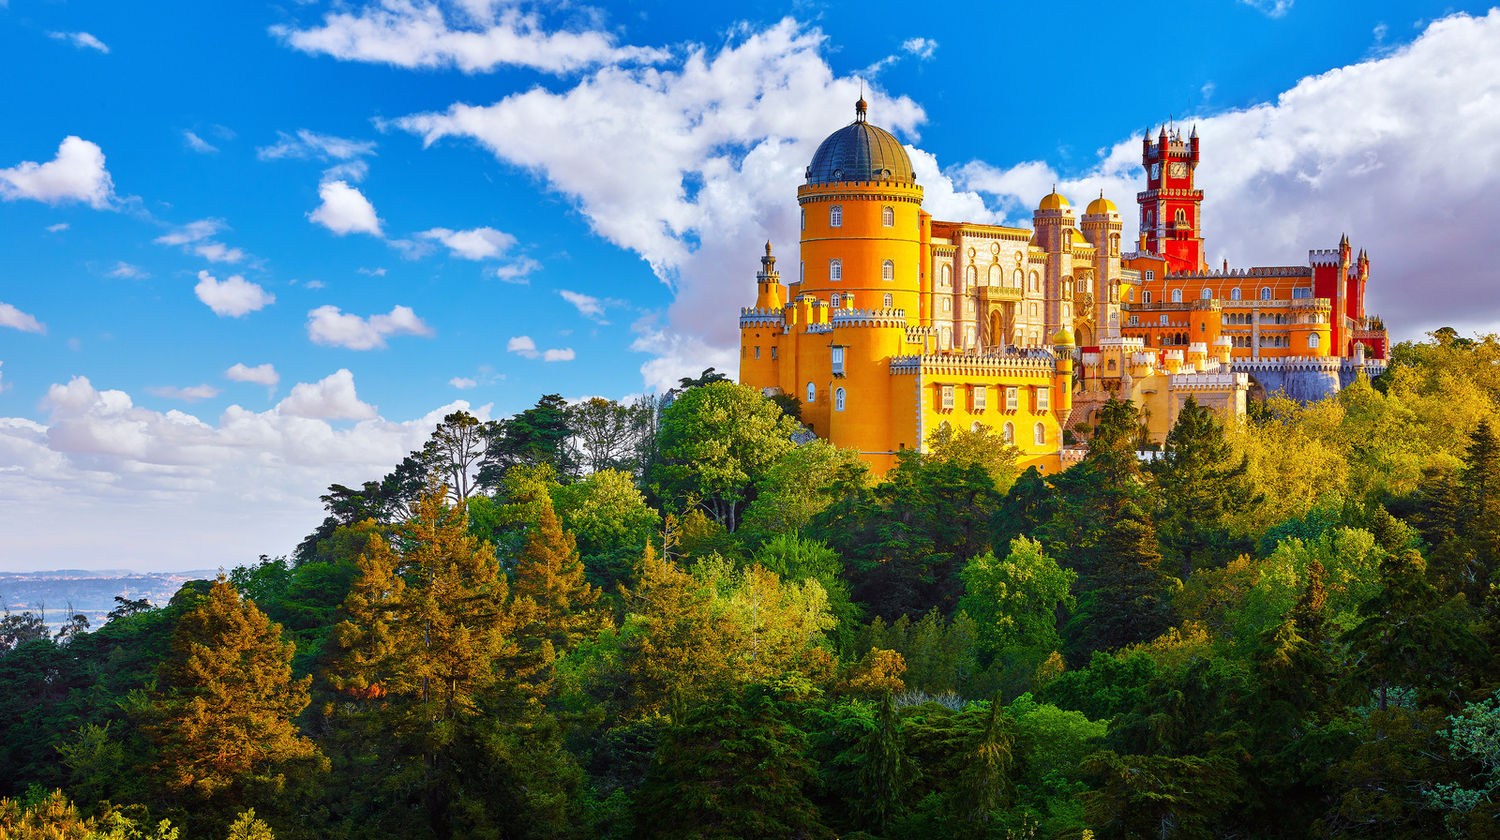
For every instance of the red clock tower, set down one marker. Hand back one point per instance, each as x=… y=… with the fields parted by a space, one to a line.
x=1171 y=208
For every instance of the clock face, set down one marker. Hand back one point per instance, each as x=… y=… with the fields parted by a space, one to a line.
x=1177 y=170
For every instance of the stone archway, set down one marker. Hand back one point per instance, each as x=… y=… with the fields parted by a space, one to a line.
x=1256 y=391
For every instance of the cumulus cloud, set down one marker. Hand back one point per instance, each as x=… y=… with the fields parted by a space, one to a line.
x=517 y=272
x=717 y=146
x=329 y=326
x=522 y=345
x=480 y=243
x=192 y=393
x=470 y=36
x=228 y=489
x=1350 y=150
x=18 y=320
x=561 y=354
x=77 y=173
x=922 y=48
x=331 y=398
x=345 y=210
x=1270 y=8
x=264 y=374
x=588 y=306
x=463 y=382
x=198 y=144
x=125 y=271
x=81 y=40
x=232 y=297
x=196 y=238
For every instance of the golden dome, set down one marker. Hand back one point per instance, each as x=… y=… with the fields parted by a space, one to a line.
x=1054 y=201
x=1100 y=206
x=1062 y=338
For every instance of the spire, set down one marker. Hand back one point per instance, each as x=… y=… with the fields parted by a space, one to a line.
x=860 y=105
x=1194 y=135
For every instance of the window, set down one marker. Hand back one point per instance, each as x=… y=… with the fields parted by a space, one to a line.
x=1035 y=311
x=1150 y=275
x=757 y=352
x=1010 y=398
x=773 y=352
x=835 y=299
x=801 y=271
x=969 y=337
x=812 y=392
x=1017 y=281
x=838 y=361
x=948 y=305
x=835 y=271
x=1207 y=295
x=1146 y=296
x=803 y=220
x=945 y=338
x=888 y=271
x=1067 y=311
x=1234 y=294
x=1130 y=296
x=1036 y=281
x=1302 y=292
x=971 y=276
x=1008 y=434
x=947 y=276
x=1135 y=320
x=1043 y=399
x=976 y=394
x=889 y=301
x=947 y=397
x=836 y=216
x=994 y=276
x=1312 y=341
x=888 y=216
x=1177 y=296
x=968 y=306
x=838 y=399
x=1039 y=435
x=1265 y=292
x=1164 y=319
x=1181 y=217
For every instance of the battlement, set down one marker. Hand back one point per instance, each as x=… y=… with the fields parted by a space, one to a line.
x=819 y=328
x=1122 y=342
x=869 y=318
x=1033 y=362
x=1256 y=271
x=1289 y=363
x=1198 y=347
x=1324 y=256
x=1208 y=381
x=753 y=317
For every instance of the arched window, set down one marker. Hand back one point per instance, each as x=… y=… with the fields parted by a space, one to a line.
x=1067 y=311
x=804 y=218
x=1234 y=294
x=1017 y=279
x=1177 y=296
x=888 y=216
x=801 y=271
x=835 y=300
x=838 y=399
x=1181 y=217
x=971 y=276
x=1039 y=434
x=1008 y=434
x=1207 y=294
x=948 y=305
x=945 y=338
x=994 y=278
x=835 y=271
x=889 y=301
x=888 y=270
x=1145 y=297
x=1036 y=281
x=947 y=276
x=969 y=337
x=836 y=216
x=1265 y=292
x=1312 y=341
x=1035 y=311
x=812 y=392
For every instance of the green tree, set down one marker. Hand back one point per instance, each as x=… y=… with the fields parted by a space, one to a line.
x=221 y=720
x=538 y=435
x=1015 y=602
x=612 y=522
x=606 y=435
x=1203 y=489
x=550 y=576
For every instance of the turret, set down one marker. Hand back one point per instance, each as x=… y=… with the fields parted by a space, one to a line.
x=1062 y=348
x=1193 y=144
x=768 y=282
x=1364 y=265
x=1224 y=350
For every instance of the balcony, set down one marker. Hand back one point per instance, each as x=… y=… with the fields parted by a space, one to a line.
x=1001 y=293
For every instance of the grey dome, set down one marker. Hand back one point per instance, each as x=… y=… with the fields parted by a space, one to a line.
x=860 y=152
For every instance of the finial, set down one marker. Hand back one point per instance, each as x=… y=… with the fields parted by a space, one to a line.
x=768 y=247
x=859 y=106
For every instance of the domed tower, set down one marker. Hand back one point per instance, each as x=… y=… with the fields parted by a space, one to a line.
x=1053 y=222
x=1101 y=227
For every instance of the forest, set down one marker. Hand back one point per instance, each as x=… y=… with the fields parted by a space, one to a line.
x=687 y=618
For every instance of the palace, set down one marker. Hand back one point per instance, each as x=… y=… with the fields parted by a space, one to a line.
x=898 y=324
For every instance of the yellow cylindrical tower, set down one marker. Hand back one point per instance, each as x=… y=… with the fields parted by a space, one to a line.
x=1062 y=347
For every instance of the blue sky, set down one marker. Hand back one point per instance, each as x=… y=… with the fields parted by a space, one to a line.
x=251 y=250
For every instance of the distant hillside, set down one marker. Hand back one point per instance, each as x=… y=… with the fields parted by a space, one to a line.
x=66 y=592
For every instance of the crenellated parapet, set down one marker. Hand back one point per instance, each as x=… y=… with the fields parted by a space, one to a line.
x=753 y=317
x=1309 y=364
x=1033 y=361
x=1208 y=381
x=869 y=318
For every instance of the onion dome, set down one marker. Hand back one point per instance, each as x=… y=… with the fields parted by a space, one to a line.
x=1054 y=201
x=1101 y=206
x=1062 y=338
x=860 y=152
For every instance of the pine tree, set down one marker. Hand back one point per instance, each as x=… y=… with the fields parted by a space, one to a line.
x=678 y=644
x=549 y=573
x=221 y=719
x=1201 y=487
x=885 y=772
x=983 y=781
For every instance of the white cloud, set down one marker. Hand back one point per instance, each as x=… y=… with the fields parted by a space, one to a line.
x=522 y=345
x=462 y=382
x=198 y=144
x=228 y=489
x=1350 y=150
x=194 y=238
x=474 y=38
x=331 y=398
x=192 y=393
x=717 y=145
x=77 y=173
x=587 y=306
x=345 y=210
x=517 y=272
x=81 y=40
x=373 y=272
x=310 y=145
x=1270 y=8
x=126 y=271
x=922 y=48
x=478 y=244
x=564 y=354
x=232 y=297
x=16 y=319
x=328 y=326
x=264 y=374
x=57 y=228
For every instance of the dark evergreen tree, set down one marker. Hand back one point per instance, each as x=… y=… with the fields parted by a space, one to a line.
x=1201 y=486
